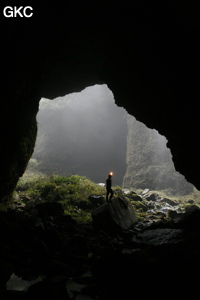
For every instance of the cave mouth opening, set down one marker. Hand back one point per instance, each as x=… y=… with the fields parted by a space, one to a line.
x=87 y=134
x=82 y=133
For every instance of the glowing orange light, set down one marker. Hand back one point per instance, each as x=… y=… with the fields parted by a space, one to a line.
x=111 y=174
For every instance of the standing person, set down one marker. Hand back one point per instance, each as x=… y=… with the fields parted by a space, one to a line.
x=109 y=187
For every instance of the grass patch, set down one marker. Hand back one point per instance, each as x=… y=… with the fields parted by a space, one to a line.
x=72 y=192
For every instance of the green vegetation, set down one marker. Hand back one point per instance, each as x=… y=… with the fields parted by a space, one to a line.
x=72 y=192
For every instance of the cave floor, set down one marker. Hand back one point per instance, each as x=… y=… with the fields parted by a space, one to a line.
x=41 y=257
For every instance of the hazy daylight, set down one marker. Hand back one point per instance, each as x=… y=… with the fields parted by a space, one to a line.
x=82 y=133
x=86 y=134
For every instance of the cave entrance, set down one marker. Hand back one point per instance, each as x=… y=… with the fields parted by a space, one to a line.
x=82 y=133
x=87 y=134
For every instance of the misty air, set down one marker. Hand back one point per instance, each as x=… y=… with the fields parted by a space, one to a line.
x=87 y=134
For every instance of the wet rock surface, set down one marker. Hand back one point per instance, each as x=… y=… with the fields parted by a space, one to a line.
x=43 y=256
x=115 y=216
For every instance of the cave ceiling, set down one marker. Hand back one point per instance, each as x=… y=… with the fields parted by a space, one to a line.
x=147 y=52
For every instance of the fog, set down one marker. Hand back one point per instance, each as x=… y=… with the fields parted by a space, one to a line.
x=87 y=134
x=82 y=133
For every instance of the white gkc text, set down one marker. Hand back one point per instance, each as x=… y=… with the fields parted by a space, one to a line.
x=13 y=12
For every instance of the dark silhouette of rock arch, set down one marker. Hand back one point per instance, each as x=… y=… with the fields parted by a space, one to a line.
x=146 y=52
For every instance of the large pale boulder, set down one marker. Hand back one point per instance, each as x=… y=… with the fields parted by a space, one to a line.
x=114 y=216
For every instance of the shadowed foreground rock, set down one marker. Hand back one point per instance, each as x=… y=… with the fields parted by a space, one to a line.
x=115 y=216
x=45 y=256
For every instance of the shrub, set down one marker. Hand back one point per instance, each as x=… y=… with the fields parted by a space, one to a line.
x=32 y=165
x=70 y=191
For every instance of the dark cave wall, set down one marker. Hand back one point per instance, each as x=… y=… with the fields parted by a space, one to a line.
x=18 y=138
x=147 y=53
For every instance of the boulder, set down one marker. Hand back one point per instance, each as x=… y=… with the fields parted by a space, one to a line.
x=133 y=196
x=145 y=192
x=160 y=236
x=191 y=208
x=49 y=209
x=190 y=201
x=191 y=221
x=152 y=197
x=138 y=205
x=96 y=200
x=169 y=201
x=115 y=216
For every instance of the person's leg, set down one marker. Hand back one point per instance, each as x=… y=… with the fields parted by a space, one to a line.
x=111 y=194
x=107 y=195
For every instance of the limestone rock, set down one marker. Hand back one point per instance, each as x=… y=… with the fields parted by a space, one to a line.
x=191 y=208
x=114 y=216
x=133 y=196
x=49 y=209
x=96 y=200
x=152 y=197
x=149 y=161
x=169 y=201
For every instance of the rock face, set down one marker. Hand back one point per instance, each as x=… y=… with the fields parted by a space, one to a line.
x=115 y=216
x=149 y=161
